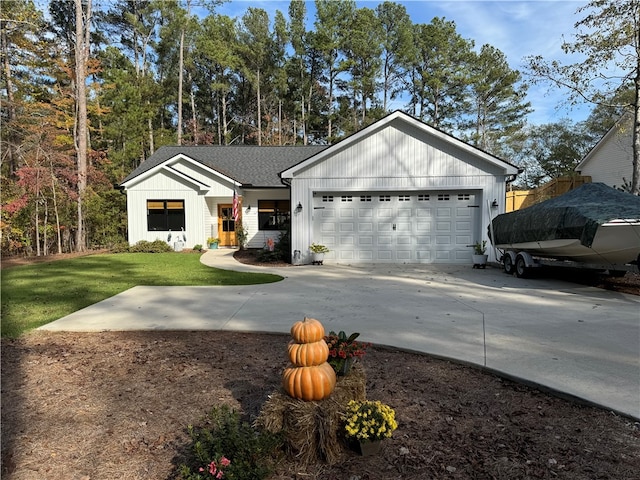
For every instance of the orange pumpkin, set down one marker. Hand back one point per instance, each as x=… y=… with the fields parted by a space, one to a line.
x=308 y=354
x=309 y=383
x=308 y=330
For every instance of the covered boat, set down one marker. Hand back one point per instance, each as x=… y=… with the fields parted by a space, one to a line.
x=593 y=224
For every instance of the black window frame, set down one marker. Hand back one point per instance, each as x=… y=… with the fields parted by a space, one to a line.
x=274 y=215
x=167 y=218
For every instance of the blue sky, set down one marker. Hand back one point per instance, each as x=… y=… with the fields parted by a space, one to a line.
x=517 y=28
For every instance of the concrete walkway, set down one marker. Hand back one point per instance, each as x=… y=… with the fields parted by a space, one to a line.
x=575 y=339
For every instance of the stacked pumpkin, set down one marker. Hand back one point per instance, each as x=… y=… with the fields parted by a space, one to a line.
x=311 y=377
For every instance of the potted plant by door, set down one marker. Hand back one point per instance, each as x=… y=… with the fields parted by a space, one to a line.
x=479 y=257
x=213 y=242
x=317 y=253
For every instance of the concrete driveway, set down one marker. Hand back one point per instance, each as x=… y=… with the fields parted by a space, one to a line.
x=579 y=340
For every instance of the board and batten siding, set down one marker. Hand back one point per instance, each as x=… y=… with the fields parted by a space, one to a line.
x=402 y=160
x=257 y=238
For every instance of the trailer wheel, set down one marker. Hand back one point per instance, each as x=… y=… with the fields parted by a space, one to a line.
x=522 y=271
x=507 y=263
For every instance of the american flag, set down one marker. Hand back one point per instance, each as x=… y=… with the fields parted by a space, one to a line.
x=236 y=214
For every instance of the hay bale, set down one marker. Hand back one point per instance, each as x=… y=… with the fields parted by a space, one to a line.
x=313 y=430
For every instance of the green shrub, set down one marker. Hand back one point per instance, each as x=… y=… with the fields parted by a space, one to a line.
x=157 y=246
x=281 y=250
x=251 y=452
x=121 y=247
x=197 y=247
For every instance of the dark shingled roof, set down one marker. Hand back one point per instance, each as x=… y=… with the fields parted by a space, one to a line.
x=248 y=165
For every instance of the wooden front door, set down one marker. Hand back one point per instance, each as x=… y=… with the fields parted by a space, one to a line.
x=226 y=226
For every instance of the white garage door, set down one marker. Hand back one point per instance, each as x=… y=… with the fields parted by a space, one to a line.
x=370 y=227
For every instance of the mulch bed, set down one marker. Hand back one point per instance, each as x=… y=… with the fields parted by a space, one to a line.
x=116 y=405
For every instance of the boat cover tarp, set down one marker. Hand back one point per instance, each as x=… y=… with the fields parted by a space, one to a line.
x=576 y=214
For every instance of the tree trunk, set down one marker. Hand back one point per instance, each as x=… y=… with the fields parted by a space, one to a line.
x=4 y=48
x=55 y=206
x=37 y=197
x=83 y=24
x=180 y=80
x=152 y=147
x=225 y=127
x=635 y=176
x=259 y=111
x=193 y=114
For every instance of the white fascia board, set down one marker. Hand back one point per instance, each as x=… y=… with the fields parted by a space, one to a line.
x=200 y=186
x=174 y=160
x=380 y=124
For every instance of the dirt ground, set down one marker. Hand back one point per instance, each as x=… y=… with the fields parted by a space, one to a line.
x=115 y=405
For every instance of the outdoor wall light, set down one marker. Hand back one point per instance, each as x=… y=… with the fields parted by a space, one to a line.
x=248 y=208
x=494 y=204
x=299 y=207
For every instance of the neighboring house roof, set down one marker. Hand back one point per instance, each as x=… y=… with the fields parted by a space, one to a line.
x=255 y=166
x=399 y=116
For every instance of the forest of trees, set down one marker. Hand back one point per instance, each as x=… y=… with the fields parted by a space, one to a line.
x=160 y=72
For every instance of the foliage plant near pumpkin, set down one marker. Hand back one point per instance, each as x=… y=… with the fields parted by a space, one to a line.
x=227 y=447
x=311 y=377
x=343 y=348
x=369 y=421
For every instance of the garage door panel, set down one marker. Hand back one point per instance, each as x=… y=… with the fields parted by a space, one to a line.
x=404 y=255
x=365 y=255
x=347 y=240
x=463 y=240
x=347 y=255
x=423 y=227
x=443 y=212
x=463 y=212
x=364 y=241
x=423 y=255
x=420 y=227
x=347 y=227
x=385 y=255
x=384 y=240
x=463 y=226
x=443 y=255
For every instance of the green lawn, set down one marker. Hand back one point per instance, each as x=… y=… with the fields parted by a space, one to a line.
x=38 y=294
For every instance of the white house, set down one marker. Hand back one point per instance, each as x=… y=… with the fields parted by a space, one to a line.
x=398 y=191
x=611 y=160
